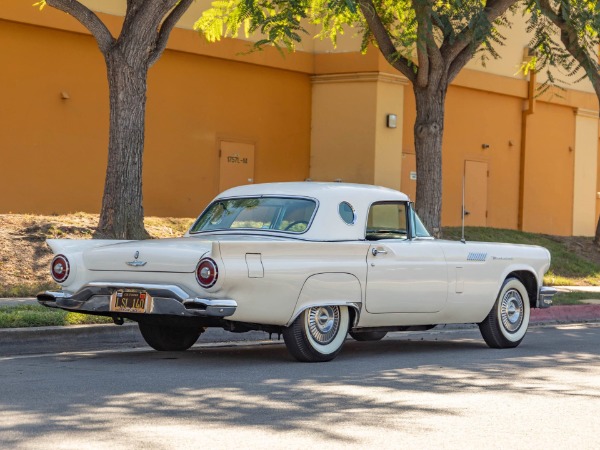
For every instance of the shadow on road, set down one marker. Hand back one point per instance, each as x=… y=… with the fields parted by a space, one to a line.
x=263 y=388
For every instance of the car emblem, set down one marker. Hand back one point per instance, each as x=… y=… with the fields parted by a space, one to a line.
x=135 y=262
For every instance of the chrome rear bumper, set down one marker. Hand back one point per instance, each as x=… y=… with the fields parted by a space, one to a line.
x=168 y=300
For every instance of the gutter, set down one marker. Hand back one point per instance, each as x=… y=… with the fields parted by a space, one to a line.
x=526 y=113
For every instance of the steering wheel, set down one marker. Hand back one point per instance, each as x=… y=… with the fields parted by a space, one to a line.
x=296 y=223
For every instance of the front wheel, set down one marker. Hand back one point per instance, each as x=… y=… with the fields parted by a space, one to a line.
x=317 y=335
x=167 y=338
x=506 y=324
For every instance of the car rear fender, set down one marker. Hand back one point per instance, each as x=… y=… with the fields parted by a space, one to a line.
x=73 y=250
x=330 y=289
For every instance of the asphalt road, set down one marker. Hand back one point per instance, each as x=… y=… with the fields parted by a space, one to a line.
x=431 y=390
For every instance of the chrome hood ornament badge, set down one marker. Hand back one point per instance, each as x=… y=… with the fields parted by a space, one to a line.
x=135 y=262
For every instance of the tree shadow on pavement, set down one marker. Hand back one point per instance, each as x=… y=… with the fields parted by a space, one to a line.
x=261 y=388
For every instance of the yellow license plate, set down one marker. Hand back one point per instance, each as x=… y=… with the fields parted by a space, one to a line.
x=130 y=301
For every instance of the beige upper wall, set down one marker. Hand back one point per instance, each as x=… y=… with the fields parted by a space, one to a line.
x=114 y=7
x=517 y=39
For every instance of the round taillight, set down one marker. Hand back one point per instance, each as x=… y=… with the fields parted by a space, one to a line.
x=207 y=272
x=59 y=268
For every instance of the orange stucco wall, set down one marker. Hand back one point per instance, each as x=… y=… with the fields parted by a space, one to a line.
x=548 y=200
x=193 y=100
x=477 y=119
x=474 y=118
x=53 y=151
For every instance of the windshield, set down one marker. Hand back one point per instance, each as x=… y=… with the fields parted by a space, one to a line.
x=291 y=215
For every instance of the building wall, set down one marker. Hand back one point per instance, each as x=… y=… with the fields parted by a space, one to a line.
x=193 y=101
x=318 y=113
x=476 y=119
x=549 y=171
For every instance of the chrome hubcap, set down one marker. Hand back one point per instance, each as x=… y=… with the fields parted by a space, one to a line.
x=323 y=323
x=511 y=312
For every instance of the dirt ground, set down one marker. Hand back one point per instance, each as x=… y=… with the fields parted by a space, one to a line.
x=582 y=246
x=25 y=257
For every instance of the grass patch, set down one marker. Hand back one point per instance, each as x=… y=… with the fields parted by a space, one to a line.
x=27 y=289
x=567 y=267
x=41 y=316
x=574 y=298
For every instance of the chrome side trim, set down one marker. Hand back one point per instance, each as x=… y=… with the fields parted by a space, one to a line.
x=545 y=295
x=474 y=256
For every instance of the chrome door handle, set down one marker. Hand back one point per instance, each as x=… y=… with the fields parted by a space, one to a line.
x=376 y=252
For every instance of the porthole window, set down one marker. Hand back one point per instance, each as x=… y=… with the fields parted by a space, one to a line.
x=347 y=213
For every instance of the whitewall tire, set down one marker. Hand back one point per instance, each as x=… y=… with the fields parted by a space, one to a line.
x=318 y=333
x=506 y=324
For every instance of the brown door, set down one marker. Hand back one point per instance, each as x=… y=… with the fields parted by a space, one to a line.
x=236 y=165
x=408 y=182
x=476 y=187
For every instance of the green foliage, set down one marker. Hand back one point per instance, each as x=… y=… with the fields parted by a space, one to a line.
x=277 y=20
x=565 y=39
x=281 y=22
x=574 y=298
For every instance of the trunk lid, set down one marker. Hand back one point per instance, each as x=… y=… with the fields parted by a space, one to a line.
x=179 y=255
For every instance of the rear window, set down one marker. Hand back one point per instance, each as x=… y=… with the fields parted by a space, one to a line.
x=290 y=215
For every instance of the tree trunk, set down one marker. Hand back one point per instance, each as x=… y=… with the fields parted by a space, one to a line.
x=122 y=214
x=597 y=236
x=428 y=132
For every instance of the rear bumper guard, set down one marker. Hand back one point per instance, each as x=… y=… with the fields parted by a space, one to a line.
x=168 y=300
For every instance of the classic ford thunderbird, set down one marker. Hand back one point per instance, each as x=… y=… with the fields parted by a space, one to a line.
x=311 y=261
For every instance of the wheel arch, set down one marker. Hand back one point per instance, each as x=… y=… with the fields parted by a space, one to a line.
x=330 y=289
x=529 y=280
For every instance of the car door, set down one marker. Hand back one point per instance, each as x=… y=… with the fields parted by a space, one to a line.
x=403 y=275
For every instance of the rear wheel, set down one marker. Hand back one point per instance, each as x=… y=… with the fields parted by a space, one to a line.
x=506 y=324
x=368 y=335
x=168 y=338
x=317 y=335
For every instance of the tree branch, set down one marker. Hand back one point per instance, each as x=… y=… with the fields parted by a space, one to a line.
x=430 y=59
x=88 y=19
x=568 y=36
x=166 y=28
x=384 y=41
x=461 y=52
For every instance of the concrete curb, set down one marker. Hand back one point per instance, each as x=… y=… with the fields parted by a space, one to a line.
x=566 y=313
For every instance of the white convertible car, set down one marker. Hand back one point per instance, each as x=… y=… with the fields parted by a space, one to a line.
x=312 y=261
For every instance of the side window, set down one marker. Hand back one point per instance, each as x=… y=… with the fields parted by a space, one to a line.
x=387 y=221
